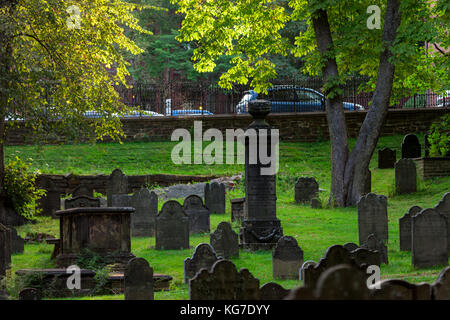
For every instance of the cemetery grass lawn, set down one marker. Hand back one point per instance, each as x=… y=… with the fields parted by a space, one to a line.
x=315 y=230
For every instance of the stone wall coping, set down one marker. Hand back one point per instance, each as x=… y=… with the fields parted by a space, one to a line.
x=94 y=210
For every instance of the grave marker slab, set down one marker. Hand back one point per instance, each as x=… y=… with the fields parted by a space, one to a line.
x=237 y=209
x=405 y=176
x=215 y=197
x=121 y=200
x=386 y=158
x=405 y=228
x=172 y=227
x=198 y=214
x=204 y=257
x=51 y=202
x=287 y=259
x=411 y=147
x=81 y=202
x=306 y=189
x=372 y=217
x=82 y=190
x=17 y=242
x=272 y=291
x=225 y=241
x=373 y=244
x=117 y=184
x=444 y=208
x=138 y=280
x=143 y=220
x=441 y=286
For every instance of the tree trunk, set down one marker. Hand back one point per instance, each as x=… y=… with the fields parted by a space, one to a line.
x=348 y=173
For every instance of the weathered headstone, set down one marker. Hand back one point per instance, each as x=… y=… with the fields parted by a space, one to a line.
x=441 y=286
x=30 y=294
x=198 y=214
x=405 y=176
x=386 y=158
x=411 y=147
x=237 y=209
x=364 y=256
x=81 y=201
x=82 y=190
x=117 y=184
x=225 y=241
x=372 y=217
x=287 y=259
x=224 y=282
x=143 y=220
x=429 y=239
x=444 y=208
x=51 y=202
x=215 y=197
x=17 y=242
x=373 y=244
x=138 y=280
x=405 y=228
x=396 y=289
x=172 y=227
x=120 y=200
x=272 y=291
x=306 y=189
x=204 y=257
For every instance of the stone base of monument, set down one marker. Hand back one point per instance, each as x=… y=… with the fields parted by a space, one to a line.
x=260 y=234
x=54 y=282
x=119 y=260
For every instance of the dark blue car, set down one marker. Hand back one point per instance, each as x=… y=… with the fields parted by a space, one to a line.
x=291 y=99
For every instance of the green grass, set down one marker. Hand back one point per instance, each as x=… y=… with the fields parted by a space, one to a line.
x=315 y=230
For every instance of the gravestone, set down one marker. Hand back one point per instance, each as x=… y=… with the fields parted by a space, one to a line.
x=272 y=291
x=301 y=273
x=365 y=256
x=350 y=246
x=396 y=289
x=145 y=204
x=30 y=294
x=172 y=227
x=386 y=158
x=429 y=239
x=204 y=257
x=405 y=176
x=17 y=242
x=81 y=202
x=444 y=208
x=225 y=241
x=373 y=244
x=224 y=282
x=441 y=286
x=237 y=209
x=287 y=259
x=121 y=200
x=117 y=184
x=51 y=202
x=215 y=197
x=82 y=190
x=342 y=282
x=138 y=280
x=316 y=203
x=411 y=147
x=404 y=224
x=198 y=214
x=5 y=249
x=306 y=189
x=372 y=217
x=367 y=183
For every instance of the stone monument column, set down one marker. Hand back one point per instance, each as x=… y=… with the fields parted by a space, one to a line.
x=260 y=229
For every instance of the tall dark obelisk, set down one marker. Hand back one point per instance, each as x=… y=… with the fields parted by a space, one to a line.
x=260 y=229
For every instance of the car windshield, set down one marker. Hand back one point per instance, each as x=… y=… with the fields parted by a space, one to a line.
x=303 y=95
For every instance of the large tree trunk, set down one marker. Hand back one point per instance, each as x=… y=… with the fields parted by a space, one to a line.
x=348 y=173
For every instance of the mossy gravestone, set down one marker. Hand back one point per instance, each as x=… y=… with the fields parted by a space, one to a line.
x=441 y=287
x=117 y=184
x=138 y=280
x=204 y=257
x=405 y=176
x=145 y=204
x=215 y=197
x=386 y=158
x=372 y=217
x=51 y=202
x=287 y=259
x=444 y=208
x=198 y=214
x=404 y=224
x=172 y=227
x=306 y=189
x=225 y=241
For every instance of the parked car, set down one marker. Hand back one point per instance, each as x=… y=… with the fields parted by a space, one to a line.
x=291 y=99
x=190 y=112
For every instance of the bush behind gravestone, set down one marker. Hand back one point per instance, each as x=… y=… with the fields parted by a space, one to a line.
x=20 y=187
x=439 y=137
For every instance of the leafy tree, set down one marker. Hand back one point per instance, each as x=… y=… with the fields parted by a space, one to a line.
x=59 y=59
x=336 y=43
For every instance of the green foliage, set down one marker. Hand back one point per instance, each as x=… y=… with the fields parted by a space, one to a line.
x=439 y=137
x=20 y=188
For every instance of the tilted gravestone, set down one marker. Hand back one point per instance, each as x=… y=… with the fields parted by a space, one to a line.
x=117 y=184
x=372 y=217
x=342 y=282
x=225 y=241
x=306 y=189
x=81 y=202
x=272 y=291
x=287 y=259
x=224 y=282
x=203 y=258
x=30 y=294
x=172 y=227
x=405 y=176
x=17 y=242
x=5 y=249
x=237 y=209
x=143 y=220
x=386 y=158
x=441 y=286
x=373 y=244
x=444 y=208
x=404 y=224
x=198 y=214
x=51 y=202
x=396 y=289
x=411 y=147
x=429 y=239
x=82 y=190
x=215 y=197
x=138 y=280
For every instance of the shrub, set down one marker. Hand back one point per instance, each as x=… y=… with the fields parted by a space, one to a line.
x=20 y=188
x=439 y=137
